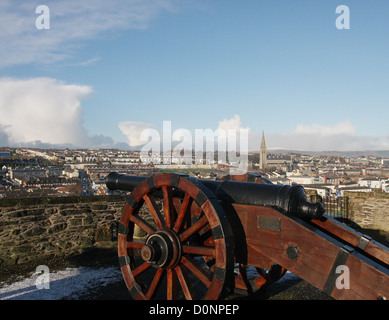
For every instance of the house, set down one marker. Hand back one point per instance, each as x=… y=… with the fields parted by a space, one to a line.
x=385 y=186
x=27 y=173
x=340 y=191
x=323 y=190
x=373 y=183
x=301 y=180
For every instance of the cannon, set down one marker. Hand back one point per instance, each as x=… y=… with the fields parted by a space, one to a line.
x=198 y=231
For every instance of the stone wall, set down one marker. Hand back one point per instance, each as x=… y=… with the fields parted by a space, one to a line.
x=369 y=210
x=47 y=228
x=31 y=229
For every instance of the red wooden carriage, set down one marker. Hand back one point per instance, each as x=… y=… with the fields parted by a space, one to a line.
x=204 y=229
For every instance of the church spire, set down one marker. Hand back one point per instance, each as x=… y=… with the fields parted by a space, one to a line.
x=263 y=143
x=263 y=153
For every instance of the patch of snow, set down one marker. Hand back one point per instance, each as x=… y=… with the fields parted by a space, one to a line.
x=69 y=283
x=72 y=283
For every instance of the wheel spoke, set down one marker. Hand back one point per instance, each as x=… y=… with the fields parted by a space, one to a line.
x=154 y=283
x=171 y=285
x=184 y=282
x=143 y=267
x=168 y=206
x=194 y=228
x=149 y=199
x=144 y=225
x=177 y=203
x=135 y=244
x=203 y=251
x=182 y=212
x=198 y=272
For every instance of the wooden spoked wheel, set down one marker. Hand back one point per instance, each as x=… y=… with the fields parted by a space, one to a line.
x=245 y=280
x=176 y=243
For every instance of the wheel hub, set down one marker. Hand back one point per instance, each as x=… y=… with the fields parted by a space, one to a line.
x=162 y=249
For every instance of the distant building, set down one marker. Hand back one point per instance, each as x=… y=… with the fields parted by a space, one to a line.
x=27 y=173
x=370 y=183
x=385 y=186
x=323 y=190
x=385 y=162
x=340 y=191
x=301 y=179
x=280 y=161
x=54 y=170
x=71 y=172
x=263 y=154
x=5 y=154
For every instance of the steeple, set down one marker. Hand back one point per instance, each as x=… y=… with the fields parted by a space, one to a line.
x=263 y=153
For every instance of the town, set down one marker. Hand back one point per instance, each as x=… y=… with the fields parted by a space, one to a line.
x=30 y=172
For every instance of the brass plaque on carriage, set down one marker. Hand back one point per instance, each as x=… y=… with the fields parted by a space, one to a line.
x=269 y=223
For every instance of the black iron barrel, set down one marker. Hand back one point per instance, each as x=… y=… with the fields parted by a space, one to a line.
x=287 y=199
x=117 y=181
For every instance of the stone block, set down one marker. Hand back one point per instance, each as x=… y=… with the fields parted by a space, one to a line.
x=103 y=233
x=75 y=222
x=35 y=231
x=57 y=228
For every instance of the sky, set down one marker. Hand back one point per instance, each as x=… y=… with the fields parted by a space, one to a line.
x=96 y=74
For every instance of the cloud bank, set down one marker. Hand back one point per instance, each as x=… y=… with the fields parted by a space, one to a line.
x=47 y=113
x=314 y=137
x=44 y=112
x=318 y=137
x=139 y=133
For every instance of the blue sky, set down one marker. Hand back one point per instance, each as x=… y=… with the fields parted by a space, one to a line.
x=106 y=70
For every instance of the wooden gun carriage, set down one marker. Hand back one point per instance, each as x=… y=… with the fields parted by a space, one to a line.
x=203 y=229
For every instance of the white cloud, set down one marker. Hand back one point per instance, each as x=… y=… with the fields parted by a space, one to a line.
x=233 y=123
x=133 y=130
x=45 y=113
x=238 y=137
x=71 y=23
x=42 y=109
x=344 y=127
x=206 y=137
x=318 y=137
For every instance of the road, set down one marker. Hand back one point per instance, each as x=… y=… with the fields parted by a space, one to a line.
x=86 y=188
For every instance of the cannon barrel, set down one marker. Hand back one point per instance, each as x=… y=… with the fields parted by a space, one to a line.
x=287 y=199
x=116 y=181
